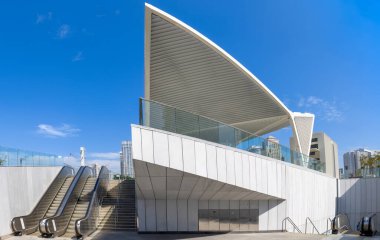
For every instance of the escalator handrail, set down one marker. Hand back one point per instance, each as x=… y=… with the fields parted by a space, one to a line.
x=88 y=224
x=337 y=229
x=57 y=224
x=20 y=225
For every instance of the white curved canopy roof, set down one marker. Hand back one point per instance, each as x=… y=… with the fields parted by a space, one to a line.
x=186 y=70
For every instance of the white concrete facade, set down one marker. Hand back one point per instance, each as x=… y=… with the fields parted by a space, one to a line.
x=21 y=188
x=359 y=197
x=178 y=176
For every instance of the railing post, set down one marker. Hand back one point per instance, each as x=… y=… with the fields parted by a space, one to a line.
x=141 y=112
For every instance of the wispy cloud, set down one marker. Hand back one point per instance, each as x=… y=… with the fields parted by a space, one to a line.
x=43 y=17
x=63 y=31
x=65 y=130
x=326 y=110
x=109 y=159
x=117 y=12
x=78 y=57
x=106 y=155
x=113 y=165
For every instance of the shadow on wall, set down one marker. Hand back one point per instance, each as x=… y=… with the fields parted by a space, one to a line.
x=359 y=197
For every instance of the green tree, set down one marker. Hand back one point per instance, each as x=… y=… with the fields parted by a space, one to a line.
x=370 y=163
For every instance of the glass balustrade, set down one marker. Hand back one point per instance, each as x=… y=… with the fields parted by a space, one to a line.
x=10 y=157
x=164 y=117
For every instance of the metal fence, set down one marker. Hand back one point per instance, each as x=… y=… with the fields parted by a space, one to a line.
x=11 y=157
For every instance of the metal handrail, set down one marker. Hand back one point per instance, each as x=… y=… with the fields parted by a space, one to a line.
x=347 y=228
x=57 y=225
x=88 y=224
x=314 y=227
x=327 y=226
x=288 y=219
x=29 y=223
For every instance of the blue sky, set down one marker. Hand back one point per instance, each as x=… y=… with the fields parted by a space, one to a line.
x=71 y=72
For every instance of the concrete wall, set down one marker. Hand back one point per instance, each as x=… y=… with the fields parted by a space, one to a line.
x=182 y=215
x=359 y=197
x=20 y=190
x=307 y=193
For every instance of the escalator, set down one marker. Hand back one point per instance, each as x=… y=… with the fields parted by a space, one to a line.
x=367 y=225
x=57 y=225
x=81 y=206
x=78 y=215
x=340 y=224
x=69 y=207
x=58 y=198
x=91 y=217
x=47 y=205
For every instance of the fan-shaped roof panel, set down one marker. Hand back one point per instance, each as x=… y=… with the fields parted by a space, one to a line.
x=186 y=70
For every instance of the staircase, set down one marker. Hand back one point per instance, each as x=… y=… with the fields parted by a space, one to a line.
x=118 y=208
x=81 y=206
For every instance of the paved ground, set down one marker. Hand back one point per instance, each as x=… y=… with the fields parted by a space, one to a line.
x=233 y=236
x=237 y=236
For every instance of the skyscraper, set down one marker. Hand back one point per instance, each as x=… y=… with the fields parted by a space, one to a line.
x=272 y=147
x=126 y=164
x=324 y=149
x=351 y=160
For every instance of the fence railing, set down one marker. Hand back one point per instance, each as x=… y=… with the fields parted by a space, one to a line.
x=365 y=172
x=11 y=157
x=161 y=116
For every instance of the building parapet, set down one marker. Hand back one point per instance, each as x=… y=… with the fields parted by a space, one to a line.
x=164 y=117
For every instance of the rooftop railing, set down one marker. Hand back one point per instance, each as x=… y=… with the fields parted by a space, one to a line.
x=365 y=172
x=161 y=116
x=11 y=157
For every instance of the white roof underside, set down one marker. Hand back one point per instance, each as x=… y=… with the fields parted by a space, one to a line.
x=186 y=70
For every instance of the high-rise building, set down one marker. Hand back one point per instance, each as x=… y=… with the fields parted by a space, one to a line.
x=324 y=149
x=351 y=160
x=272 y=147
x=126 y=163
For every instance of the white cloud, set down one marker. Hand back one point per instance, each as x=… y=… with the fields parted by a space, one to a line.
x=310 y=101
x=106 y=155
x=78 y=57
x=326 y=110
x=63 y=31
x=113 y=165
x=43 y=17
x=65 y=130
x=110 y=160
x=71 y=160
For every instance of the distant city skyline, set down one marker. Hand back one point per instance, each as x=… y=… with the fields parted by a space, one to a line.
x=352 y=160
x=71 y=73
